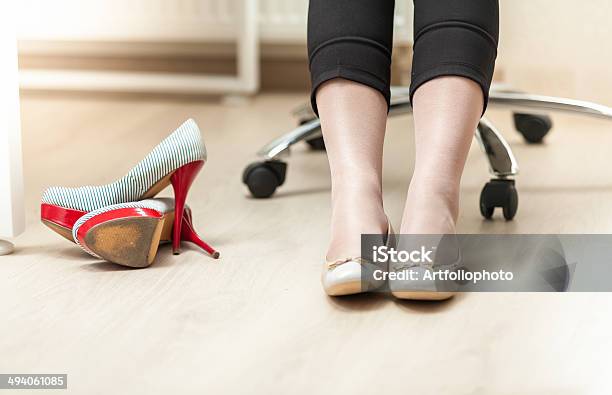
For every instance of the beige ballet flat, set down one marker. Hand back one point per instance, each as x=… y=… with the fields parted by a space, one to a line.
x=353 y=275
x=426 y=289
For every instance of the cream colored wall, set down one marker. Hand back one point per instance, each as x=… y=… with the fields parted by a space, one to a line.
x=557 y=47
x=560 y=47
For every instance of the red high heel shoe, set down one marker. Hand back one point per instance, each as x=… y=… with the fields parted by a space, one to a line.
x=176 y=160
x=129 y=234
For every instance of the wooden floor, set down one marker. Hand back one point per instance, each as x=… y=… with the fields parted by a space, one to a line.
x=257 y=321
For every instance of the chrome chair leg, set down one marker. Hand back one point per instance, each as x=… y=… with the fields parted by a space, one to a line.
x=533 y=126
x=264 y=177
x=502 y=163
x=280 y=146
x=500 y=191
x=519 y=101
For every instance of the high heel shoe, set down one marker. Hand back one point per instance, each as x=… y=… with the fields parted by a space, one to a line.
x=176 y=160
x=129 y=234
x=355 y=274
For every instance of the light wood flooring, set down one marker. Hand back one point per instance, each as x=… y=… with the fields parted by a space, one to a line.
x=257 y=321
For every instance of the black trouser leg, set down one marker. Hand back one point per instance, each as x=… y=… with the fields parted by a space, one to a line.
x=353 y=39
x=455 y=37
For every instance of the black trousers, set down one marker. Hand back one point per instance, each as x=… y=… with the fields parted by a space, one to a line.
x=353 y=39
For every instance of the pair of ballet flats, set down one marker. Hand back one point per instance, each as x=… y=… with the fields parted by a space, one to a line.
x=355 y=275
x=122 y=222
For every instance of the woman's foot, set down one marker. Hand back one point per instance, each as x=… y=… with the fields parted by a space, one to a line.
x=431 y=207
x=355 y=211
x=353 y=121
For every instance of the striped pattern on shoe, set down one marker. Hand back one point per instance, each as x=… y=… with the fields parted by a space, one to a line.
x=161 y=205
x=183 y=146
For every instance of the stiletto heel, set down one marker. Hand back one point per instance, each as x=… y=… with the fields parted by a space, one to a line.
x=129 y=234
x=189 y=234
x=181 y=182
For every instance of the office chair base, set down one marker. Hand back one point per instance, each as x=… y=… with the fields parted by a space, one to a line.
x=263 y=178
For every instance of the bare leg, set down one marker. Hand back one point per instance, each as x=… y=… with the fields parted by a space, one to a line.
x=353 y=118
x=446 y=114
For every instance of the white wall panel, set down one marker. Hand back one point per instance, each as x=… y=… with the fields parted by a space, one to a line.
x=282 y=21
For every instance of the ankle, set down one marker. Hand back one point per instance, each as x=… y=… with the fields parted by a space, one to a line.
x=356 y=210
x=351 y=188
x=431 y=207
x=440 y=223
x=440 y=191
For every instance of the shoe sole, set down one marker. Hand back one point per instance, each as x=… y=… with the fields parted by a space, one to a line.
x=344 y=289
x=422 y=295
x=60 y=230
x=131 y=241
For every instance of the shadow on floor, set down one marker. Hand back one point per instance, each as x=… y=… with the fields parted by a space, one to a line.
x=359 y=302
x=103 y=266
x=68 y=252
x=293 y=193
x=428 y=306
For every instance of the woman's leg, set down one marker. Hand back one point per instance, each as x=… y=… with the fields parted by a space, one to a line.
x=350 y=43
x=454 y=57
x=353 y=118
x=446 y=113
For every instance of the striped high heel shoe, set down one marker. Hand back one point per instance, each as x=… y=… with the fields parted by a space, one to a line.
x=129 y=234
x=176 y=160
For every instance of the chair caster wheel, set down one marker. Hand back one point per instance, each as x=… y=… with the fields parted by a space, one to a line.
x=499 y=193
x=316 y=144
x=533 y=127
x=263 y=178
